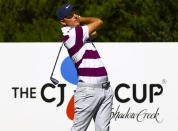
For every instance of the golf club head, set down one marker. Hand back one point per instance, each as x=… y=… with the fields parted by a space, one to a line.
x=54 y=81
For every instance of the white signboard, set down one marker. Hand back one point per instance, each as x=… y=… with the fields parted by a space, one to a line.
x=144 y=77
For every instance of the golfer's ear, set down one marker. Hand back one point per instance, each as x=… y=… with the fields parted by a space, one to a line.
x=63 y=22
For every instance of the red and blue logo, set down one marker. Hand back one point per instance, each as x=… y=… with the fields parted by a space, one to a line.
x=69 y=73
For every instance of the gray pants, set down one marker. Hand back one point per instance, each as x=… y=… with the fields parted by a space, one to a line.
x=92 y=102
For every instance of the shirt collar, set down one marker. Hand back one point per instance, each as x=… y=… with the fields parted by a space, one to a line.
x=66 y=29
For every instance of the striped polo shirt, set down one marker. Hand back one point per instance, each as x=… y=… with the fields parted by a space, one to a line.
x=87 y=61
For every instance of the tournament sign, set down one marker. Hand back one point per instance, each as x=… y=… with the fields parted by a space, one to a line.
x=143 y=77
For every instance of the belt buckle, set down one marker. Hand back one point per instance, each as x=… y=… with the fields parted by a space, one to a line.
x=106 y=84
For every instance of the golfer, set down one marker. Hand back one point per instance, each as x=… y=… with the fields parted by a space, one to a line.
x=93 y=96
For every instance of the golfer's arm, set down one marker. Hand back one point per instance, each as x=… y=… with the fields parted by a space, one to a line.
x=92 y=23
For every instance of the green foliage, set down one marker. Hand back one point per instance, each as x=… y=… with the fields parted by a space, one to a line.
x=124 y=20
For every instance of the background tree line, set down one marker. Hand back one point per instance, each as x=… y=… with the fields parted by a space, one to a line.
x=124 y=20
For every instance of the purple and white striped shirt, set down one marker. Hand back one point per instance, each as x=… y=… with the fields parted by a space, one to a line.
x=84 y=55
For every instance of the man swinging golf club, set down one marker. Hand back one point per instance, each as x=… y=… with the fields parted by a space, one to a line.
x=93 y=96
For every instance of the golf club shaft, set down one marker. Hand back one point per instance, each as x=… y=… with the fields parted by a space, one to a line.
x=56 y=60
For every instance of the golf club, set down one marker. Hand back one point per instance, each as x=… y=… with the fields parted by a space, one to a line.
x=55 y=81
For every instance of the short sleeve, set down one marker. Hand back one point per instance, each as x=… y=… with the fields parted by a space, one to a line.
x=85 y=32
x=75 y=38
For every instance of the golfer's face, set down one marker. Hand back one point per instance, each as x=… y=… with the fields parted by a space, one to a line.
x=72 y=19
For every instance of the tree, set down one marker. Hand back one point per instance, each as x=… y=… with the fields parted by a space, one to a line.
x=124 y=20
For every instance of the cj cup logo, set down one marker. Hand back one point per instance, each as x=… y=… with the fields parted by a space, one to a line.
x=69 y=73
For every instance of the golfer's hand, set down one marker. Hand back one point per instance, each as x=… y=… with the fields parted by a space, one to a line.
x=93 y=35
